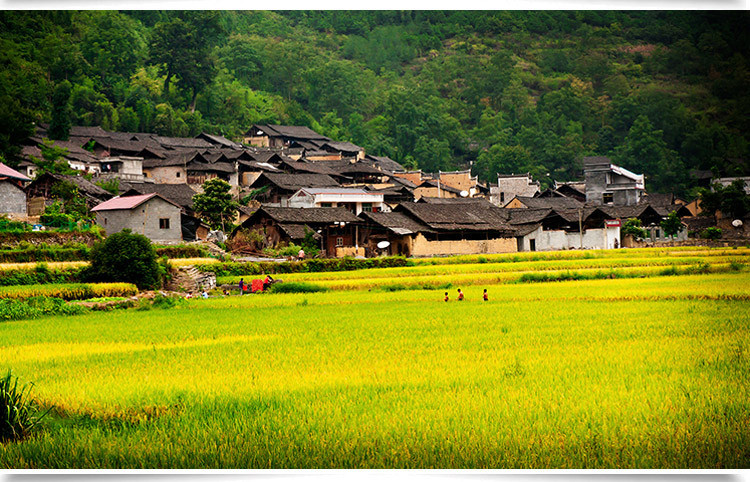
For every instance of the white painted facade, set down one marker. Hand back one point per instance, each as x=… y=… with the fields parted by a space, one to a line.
x=357 y=200
x=555 y=240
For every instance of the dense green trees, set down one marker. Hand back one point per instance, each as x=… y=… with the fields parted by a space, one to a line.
x=660 y=92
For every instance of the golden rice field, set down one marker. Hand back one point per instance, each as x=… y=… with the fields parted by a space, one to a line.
x=645 y=372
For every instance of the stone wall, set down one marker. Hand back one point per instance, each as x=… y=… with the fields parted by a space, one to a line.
x=10 y=240
x=12 y=199
x=421 y=246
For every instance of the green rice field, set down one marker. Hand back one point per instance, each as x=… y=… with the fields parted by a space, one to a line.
x=647 y=367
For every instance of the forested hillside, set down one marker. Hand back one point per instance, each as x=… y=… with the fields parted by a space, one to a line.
x=659 y=92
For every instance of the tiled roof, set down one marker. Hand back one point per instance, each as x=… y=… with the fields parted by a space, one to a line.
x=460 y=216
x=386 y=163
x=128 y=202
x=309 y=215
x=399 y=223
x=295 y=182
x=297 y=132
x=181 y=194
x=550 y=202
x=6 y=171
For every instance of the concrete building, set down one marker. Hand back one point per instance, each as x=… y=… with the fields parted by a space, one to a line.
x=354 y=199
x=607 y=184
x=510 y=186
x=148 y=214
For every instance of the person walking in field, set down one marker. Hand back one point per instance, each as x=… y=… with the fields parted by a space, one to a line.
x=242 y=286
x=460 y=295
x=446 y=296
x=484 y=296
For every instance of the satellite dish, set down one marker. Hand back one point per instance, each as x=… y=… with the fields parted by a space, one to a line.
x=383 y=244
x=737 y=223
x=464 y=193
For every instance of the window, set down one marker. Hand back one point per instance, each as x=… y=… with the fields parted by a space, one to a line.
x=339 y=241
x=163 y=223
x=502 y=197
x=326 y=205
x=177 y=174
x=367 y=207
x=105 y=221
x=532 y=245
x=608 y=198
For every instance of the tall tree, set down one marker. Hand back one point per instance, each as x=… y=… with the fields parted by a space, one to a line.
x=215 y=204
x=59 y=126
x=182 y=46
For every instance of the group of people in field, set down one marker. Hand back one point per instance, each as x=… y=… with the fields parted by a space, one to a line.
x=460 y=297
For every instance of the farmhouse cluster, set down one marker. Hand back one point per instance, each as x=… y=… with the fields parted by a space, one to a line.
x=352 y=203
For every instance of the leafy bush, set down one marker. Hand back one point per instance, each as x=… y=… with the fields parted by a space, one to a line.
x=19 y=414
x=634 y=228
x=296 y=288
x=166 y=302
x=127 y=257
x=7 y=225
x=711 y=233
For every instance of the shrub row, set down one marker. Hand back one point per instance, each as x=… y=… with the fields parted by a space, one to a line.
x=34 y=307
x=296 y=288
x=182 y=251
x=43 y=254
x=41 y=274
x=308 y=266
x=73 y=291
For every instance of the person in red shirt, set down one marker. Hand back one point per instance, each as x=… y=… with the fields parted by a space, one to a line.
x=446 y=296
x=460 y=295
x=484 y=296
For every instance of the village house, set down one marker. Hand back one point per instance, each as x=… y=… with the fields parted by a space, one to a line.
x=560 y=202
x=434 y=188
x=12 y=195
x=607 y=184
x=335 y=228
x=40 y=191
x=353 y=199
x=509 y=186
x=270 y=135
x=443 y=229
x=148 y=214
x=546 y=229
x=278 y=188
x=460 y=180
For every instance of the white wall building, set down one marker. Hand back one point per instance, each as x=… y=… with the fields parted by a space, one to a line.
x=354 y=199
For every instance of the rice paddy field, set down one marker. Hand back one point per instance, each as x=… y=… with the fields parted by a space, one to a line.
x=640 y=360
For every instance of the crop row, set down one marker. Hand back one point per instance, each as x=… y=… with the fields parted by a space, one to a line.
x=585 y=254
x=451 y=269
x=555 y=375
x=70 y=291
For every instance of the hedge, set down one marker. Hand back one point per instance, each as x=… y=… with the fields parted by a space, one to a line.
x=182 y=251
x=308 y=266
x=44 y=254
x=41 y=274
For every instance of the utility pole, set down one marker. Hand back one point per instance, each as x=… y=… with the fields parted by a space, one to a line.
x=580 y=225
